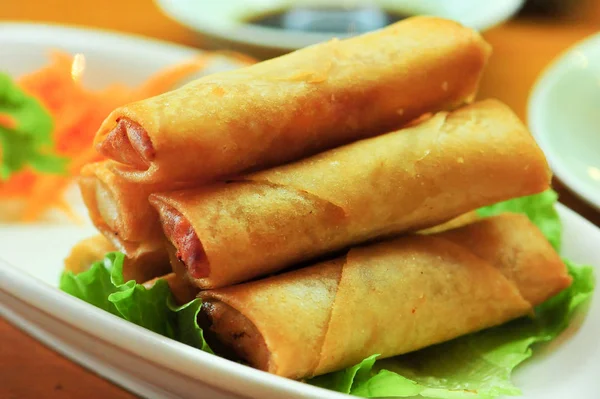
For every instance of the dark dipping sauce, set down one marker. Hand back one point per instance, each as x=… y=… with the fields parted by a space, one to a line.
x=328 y=20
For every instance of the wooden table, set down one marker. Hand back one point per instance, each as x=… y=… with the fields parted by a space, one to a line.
x=521 y=50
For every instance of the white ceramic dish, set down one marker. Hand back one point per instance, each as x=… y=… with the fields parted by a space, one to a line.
x=153 y=366
x=224 y=20
x=564 y=116
x=156 y=367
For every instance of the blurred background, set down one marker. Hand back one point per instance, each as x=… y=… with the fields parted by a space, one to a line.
x=523 y=45
x=526 y=36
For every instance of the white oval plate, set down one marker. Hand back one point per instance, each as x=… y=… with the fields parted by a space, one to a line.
x=564 y=117
x=153 y=366
x=225 y=19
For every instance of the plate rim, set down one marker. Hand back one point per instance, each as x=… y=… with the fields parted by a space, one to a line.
x=545 y=81
x=35 y=30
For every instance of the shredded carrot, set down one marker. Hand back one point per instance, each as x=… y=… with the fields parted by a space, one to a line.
x=78 y=113
x=7 y=121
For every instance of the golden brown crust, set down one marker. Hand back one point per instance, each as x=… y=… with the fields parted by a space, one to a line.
x=388 y=298
x=244 y=223
x=402 y=181
x=301 y=103
x=425 y=291
x=519 y=250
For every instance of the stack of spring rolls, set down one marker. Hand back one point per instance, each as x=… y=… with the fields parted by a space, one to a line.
x=330 y=162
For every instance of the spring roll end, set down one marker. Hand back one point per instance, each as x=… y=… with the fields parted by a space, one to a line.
x=128 y=142
x=232 y=335
x=107 y=206
x=181 y=234
x=99 y=199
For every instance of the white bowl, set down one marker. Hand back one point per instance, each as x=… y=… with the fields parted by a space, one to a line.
x=153 y=366
x=564 y=116
x=224 y=20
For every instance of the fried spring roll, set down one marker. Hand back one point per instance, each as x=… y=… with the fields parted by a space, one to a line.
x=512 y=244
x=121 y=212
x=296 y=105
x=389 y=298
x=407 y=180
x=90 y=250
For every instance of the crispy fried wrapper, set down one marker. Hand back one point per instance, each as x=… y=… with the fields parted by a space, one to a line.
x=389 y=298
x=296 y=105
x=407 y=180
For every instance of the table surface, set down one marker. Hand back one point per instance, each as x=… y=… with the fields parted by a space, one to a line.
x=522 y=48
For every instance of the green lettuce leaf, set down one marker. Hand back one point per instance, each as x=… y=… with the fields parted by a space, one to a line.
x=30 y=140
x=343 y=380
x=153 y=308
x=94 y=285
x=189 y=331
